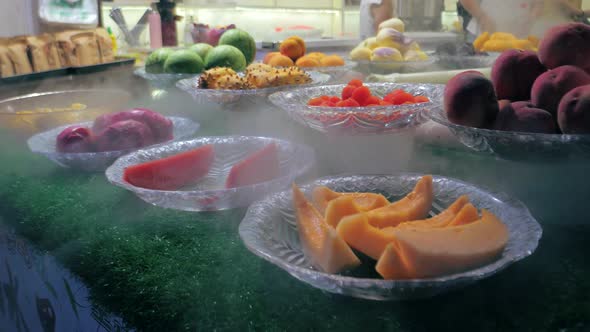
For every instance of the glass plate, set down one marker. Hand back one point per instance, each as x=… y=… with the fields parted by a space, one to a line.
x=209 y=194
x=269 y=230
x=514 y=145
x=453 y=62
x=337 y=72
x=162 y=80
x=44 y=144
x=358 y=120
x=240 y=98
x=389 y=67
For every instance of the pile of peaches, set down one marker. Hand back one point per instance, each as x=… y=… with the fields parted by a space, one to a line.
x=546 y=92
x=292 y=52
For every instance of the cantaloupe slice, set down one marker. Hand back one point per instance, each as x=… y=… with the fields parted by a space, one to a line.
x=322 y=196
x=468 y=214
x=442 y=219
x=393 y=265
x=414 y=206
x=320 y=241
x=357 y=231
x=433 y=252
x=347 y=205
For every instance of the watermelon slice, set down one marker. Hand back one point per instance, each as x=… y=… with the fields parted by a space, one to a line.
x=172 y=172
x=260 y=166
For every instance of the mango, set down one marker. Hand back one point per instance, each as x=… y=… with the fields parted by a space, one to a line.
x=566 y=44
x=386 y=54
x=523 y=116
x=432 y=252
x=470 y=100
x=280 y=61
x=389 y=37
x=293 y=48
x=307 y=61
x=320 y=241
x=573 y=115
x=332 y=61
x=361 y=53
x=371 y=43
x=481 y=40
x=514 y=73
x=269 y=56
x=551 y=86
x=394 y=23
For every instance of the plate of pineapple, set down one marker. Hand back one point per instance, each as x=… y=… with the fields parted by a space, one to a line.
x=225 y=86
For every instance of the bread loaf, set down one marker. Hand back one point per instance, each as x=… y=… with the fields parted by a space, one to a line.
x=6 y=67
x=17 y=53
x=86 y=48
x=66 y=48
x=105 y=45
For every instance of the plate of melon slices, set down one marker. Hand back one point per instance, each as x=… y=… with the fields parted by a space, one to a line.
x=390 y=237
x=211 y=173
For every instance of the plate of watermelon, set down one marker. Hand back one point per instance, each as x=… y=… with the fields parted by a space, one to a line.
x=359 y=108
x=211 y=173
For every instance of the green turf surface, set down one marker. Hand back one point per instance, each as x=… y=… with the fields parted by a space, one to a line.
x=166 y=270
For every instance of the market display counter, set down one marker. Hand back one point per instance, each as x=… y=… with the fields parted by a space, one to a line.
x=163 y=269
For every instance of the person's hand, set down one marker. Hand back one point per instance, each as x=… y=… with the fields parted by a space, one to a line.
x=487 y=23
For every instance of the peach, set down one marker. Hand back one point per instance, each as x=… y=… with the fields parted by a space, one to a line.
x=470 y=100
x=573 y=115
x=317 y=55
x=299 y=41
x=269 y=56
x=332 y=61
x=552 y=85
x=566 y=44
x=280 y=61
x=292 y=47
x=523 y=116
x=307 y=61
x=514 y=73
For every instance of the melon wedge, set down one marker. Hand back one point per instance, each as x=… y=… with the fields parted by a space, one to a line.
x=358 y=232
x=442 y=219
x=414 y=206
x=364 y=237
x=433 y=252
x=262 y=165
x=322 y=196
x=393 y=265
x=171 y=173
x=468 y=214
x=347 y=205
x=321 y=244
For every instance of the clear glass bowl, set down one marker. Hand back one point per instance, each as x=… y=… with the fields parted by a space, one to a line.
x=44 y=144
x=269 y=230
x=163 y=80
x=336 y=72
x=390 y=67
x=465 y=61
x=358 y=120
x=29 y=114
x=240 y=99
x=514 y=145
x=210 y=194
